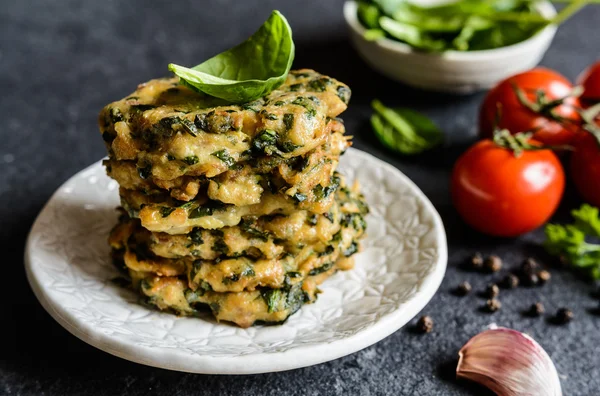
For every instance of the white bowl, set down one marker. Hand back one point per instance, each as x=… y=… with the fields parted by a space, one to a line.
x=450 y=71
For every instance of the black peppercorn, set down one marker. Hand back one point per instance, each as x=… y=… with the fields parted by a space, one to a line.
x=536 y=310
x=463 y=289
x=530 y=279
x=493 y=264
x=543 y=276
x=564 y=316
x=491 y=291
x=529 y=266
x=493 y=305
x=425 y=324
x=511 y=281
x=476 y=262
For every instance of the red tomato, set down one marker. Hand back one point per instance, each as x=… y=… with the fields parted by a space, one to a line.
x=585 y=168
x=503 y=195
x=589 y=79
x=517 y=118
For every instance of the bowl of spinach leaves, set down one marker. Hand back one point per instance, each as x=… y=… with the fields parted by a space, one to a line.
x=457 y=46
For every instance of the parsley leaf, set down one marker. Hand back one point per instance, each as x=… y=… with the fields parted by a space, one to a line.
x=571 y=242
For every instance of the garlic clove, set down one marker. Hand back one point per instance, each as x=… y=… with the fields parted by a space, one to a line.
x=509 y=363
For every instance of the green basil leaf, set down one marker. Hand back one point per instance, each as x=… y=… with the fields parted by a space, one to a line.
x=248 y=71
x=403 y=130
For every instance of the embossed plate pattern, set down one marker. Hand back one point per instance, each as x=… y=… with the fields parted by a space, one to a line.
x=401 y=267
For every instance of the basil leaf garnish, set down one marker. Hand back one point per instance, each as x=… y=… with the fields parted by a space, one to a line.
x=248 y=71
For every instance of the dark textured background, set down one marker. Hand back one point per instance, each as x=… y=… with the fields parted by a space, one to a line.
x=61 y=61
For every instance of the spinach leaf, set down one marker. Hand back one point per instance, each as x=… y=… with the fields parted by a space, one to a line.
x=425 y=19
x=374 y=34
x=473 y=25
x=463 y=25
x=368 y=14
x=403 y=130
x=248 y=71
x=501 y=34
x=410 y=34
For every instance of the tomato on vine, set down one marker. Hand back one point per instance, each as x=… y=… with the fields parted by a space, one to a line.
x=539 y=100
x=585 y=159
x=589 y=79
x=507 y=186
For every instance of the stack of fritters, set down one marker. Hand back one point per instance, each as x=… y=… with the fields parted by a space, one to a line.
x=234 y=207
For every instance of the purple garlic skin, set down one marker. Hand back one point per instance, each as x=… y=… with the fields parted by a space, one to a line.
x=509 y=363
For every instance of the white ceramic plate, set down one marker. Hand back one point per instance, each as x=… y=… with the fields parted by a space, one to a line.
x=69 y=269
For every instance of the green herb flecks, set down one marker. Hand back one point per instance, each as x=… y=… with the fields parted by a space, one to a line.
x=265 y=142
x=205 y=210
x=322 y=193
x=287 y=147
x=288 y=121
x=352 y=249
x=188 y=126
x=319 y=270
x=273 y=298
x=572 y=243
x=403 y=130
x=248 y=71
x=196 y=265
x=165 y=211
x=191 y=160
x=116 y=115
x=196 y=236
x=302 y=101
x=320 y=84
x=247 y=272
x=224 y=156
x=246 y=226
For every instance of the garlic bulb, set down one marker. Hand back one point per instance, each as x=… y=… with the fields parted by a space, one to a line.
x=510 y=363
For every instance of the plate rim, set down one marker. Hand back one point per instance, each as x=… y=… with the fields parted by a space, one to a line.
x=262 y=362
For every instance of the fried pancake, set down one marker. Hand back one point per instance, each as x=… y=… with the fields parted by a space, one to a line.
x=246 y=308
x=171 y=131
x=245 y=184
x=228 y=260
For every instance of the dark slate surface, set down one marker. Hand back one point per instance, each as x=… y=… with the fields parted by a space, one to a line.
x=61 y=61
